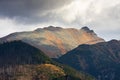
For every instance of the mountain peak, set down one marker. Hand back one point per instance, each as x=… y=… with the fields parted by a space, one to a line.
x=49 y=28
x=87 y=29
x=52 y=28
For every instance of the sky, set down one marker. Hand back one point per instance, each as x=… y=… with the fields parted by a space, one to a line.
x=103 y=16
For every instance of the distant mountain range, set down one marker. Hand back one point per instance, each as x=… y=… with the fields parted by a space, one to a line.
x=55 y=41
x=101 y=60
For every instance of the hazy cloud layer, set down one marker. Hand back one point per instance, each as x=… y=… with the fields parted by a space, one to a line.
x=100 y=15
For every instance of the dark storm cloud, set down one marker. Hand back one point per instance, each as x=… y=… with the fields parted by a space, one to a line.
x=28 y=8
x=103 y=16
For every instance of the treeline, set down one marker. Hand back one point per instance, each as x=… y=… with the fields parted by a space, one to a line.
x=18 y=52
x=21 y=61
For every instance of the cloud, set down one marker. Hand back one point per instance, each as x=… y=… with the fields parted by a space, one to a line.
x=29 y=9
x=107 y=22
x=100 y=15
x=8 y=26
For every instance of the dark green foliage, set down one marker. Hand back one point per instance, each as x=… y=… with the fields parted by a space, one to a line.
x=73 y=72
x=101 y=60
x=77 y=75
x=67 y=77
x=21 y=59
x=18 y=52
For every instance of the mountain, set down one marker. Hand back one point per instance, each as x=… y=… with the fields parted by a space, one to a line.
x=18 y=52
x=55 y=41
x=101 y=60
x=21 y=61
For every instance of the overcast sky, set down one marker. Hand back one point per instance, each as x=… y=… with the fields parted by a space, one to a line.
x=103 y=16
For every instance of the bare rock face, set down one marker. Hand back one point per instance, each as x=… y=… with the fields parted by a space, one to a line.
x=55 y=41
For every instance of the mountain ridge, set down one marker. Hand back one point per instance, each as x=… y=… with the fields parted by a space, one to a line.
x=55 y=41
x=100 y=60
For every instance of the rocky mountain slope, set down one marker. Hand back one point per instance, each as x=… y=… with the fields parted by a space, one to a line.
x=21 y=61
x=101 y=60
x=55 y=41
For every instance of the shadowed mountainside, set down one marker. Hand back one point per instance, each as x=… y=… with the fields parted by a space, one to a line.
x=21 y=61
x=101 y=60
